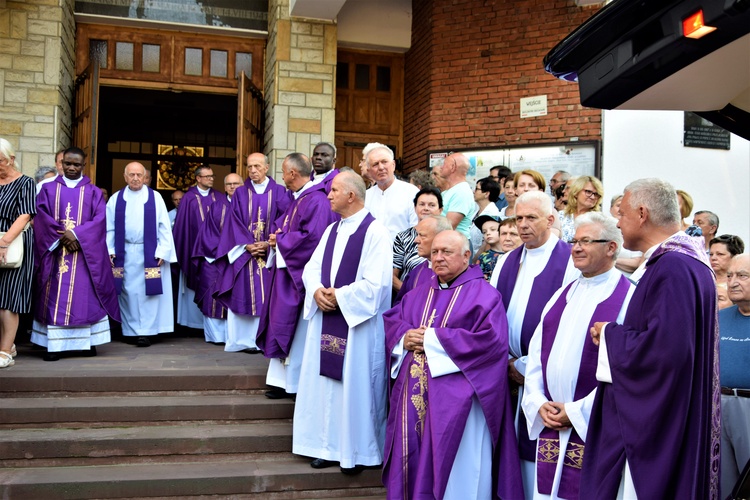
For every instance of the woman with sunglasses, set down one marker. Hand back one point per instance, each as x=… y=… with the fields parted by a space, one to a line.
x=584 y=195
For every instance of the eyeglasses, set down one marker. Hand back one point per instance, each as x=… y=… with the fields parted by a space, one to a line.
x=232 y=183
x=207 y=176
x=586 y=242
x=739 y=276
x=591 y=194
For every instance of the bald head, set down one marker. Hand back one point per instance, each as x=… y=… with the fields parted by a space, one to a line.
x=427 y=229
x=231 y=183
x=135 y=173
x=347 y=194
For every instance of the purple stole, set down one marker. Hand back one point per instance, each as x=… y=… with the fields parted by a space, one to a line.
x=335 y=330
x=548 y=449
x=150 y=262
x=545 y=285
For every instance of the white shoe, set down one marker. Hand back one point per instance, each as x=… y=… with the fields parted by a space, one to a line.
x=13 y=351
x=6 y=360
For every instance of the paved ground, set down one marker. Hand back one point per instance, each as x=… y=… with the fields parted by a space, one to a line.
x=167 y=353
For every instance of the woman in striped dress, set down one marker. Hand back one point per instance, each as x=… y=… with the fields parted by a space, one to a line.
x=17 y=207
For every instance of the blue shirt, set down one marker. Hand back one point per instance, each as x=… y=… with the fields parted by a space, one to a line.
x=734 y=348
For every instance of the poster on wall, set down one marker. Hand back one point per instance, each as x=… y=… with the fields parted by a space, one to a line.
x=576 y=157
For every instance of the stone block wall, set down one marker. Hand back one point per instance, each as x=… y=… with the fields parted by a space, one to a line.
x=299 y=84
x=469 y=65
x=37 y=40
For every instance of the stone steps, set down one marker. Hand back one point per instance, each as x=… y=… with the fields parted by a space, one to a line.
x=290 y=477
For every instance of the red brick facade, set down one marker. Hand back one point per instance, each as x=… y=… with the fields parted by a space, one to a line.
x=470 y=63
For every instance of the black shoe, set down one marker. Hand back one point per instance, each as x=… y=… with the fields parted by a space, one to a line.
x=277 y=393
x=352 y=471
x=143 y=342
x=320 y=463
x=51 y=356
x=252 y=350
x=90 y=353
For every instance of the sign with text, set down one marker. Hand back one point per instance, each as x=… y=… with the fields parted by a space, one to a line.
x=534 y=106
x=701 y=133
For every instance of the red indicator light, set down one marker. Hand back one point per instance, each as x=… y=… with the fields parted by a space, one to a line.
x=694 y=26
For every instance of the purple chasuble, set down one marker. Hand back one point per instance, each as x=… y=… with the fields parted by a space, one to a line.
x=72 y=288
x=428 y=416
x=548 y=446
x=206 y=245
x=302 y=226
x=243 y=283
x=152 y=270
x=190 y=218
x=662 y=411
x=335 y=330
x=420 y=275
x=545 y=285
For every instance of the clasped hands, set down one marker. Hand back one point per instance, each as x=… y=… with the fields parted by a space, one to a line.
x=326 y=299
x=258 y=249
x=414 y=339
x=69 y=240
x=554 y=416
x=596 y=331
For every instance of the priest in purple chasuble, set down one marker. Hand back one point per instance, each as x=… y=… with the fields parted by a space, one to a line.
x=324 y=165
x=450 y=424
x=75 y=291
x=526 y=278
x=190 y=218
x=282 y=330
x=139 y=239
x=205 y=249
x=426 y=230
x=655 y=426
x=560 y=377
x=244 y=248
x=341 y=402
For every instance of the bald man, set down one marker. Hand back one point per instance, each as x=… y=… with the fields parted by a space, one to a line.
x=140 y=244
x=458 y=197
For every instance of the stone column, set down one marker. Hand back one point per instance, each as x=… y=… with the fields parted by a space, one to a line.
x=37 y=41
x=299 y=84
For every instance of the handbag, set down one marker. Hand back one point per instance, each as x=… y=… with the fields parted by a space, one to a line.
x=14 y=256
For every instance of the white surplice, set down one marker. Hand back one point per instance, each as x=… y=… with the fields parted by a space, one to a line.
x=143 y=314
x=345 y=420
x=564 y=361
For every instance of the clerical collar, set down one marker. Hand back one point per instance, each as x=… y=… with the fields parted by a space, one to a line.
x=229 y=198
x=260 y=187
x=71 y=183
x=301 y=190
x=202 y=192
x=445 y=286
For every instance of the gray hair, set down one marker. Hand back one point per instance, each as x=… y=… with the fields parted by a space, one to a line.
x=354 y=183
x=198 y=169
x=608 y=229
x=441 y=223
x=545 y=202
x=333 y=148
x=713 y=219
x=41 y=172
x=300 y=163
x=376 y=145
x=6 y=149
x=659 y=197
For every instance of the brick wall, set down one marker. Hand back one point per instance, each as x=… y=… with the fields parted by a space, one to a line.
x=472 y=61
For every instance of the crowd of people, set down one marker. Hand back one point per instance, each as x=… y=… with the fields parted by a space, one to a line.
x=506 y=343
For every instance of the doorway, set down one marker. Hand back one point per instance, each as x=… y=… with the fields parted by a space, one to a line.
x=169 y=132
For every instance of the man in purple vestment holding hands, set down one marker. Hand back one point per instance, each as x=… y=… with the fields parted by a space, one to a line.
x=190 y=218
x=244 y=245
x=74 y=284
x=282 y=330
x=450 y=425
x=206 y=250
x=655 y=425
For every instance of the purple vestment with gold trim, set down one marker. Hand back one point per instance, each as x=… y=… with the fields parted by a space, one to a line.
x=73 y=288
x=428 y=415
x=190 y=218
x=209 y=238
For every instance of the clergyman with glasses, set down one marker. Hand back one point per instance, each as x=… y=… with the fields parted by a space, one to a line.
x=561 y=369
x=190 y=218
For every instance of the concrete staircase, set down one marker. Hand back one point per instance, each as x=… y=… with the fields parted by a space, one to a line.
x=181 y=419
